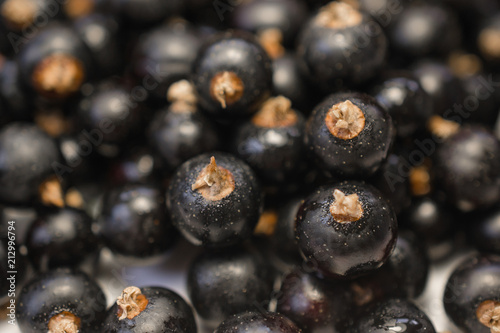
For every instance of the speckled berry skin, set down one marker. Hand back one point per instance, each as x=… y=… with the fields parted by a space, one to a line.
x=349 y=249
x=276 y=154
x=393 y=315
x=225 y=222
x=360 y=156
x=226 y=282
x=258 y=322
x=344 y=57
x=166 y=312
x=60 y=290
x=475 y=280
x=237 y=52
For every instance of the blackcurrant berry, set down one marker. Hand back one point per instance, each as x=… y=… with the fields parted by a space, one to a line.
x=149 y=310
x=232 y=75
x=349 y=134
x=224 y=283
x=134 y=222
x=393 y=315
x=341 y=47
x=61 y=300
x=468 y=167
x=346 y=230
x=60 y=237
x=214 y=200
x=471 y=297
x=272 y=141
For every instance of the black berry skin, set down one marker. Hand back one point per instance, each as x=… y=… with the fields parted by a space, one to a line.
x=214 y=223
x=28 y=157
x=433 y=220
x=257 y=322
x=275 y=153
x=343 y=56
x=404 y=274
x=468 y=167
x=438 y=32
x=393 y=186
x=444 y=88
x=360 y=156
x=285 y=15
x=165 y=55
x=166 y=311
x=224 y=283
x=485 y=231
x=487 y=111
x=314 y=305
x=108 y=114
x=61 y=290
x=406 y=101
x=179 y=136
x=346 y=249
x=60 y=237
x=474 y=281
x=289 y=81
x=134 y=223
x=398 y=315
x=54 y=41
x=239 y=54
x=139 y=165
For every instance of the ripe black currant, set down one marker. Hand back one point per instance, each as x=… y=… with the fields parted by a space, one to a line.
x=346 y=230
x=214 y=200
x=349 y=134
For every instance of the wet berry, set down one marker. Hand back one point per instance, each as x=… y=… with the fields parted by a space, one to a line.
x=349 y=135
x=346 y=230
x=214 y=200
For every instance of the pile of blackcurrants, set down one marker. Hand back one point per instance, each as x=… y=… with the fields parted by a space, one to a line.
x=321 y=154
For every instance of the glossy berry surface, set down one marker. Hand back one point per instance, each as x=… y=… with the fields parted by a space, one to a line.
x=257 y=322
x=27 y=158
x=232 y=75
x=134 y=222
x=406 y=101
x=404 y=274
x=272 y=141
x=164 y=311
x=397 y=315
x=60 y=237
x=221 y=214
x=178 y=134
x=349 y=135
x=224 y=283
x=467 y=291
x=331 y=49
x=314 y=305
x=58 y=297
x=468 y=165
x=108 y=114
x=346 y=230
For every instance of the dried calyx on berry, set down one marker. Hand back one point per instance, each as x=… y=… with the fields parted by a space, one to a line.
x=131 y=303
x=214 y=182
